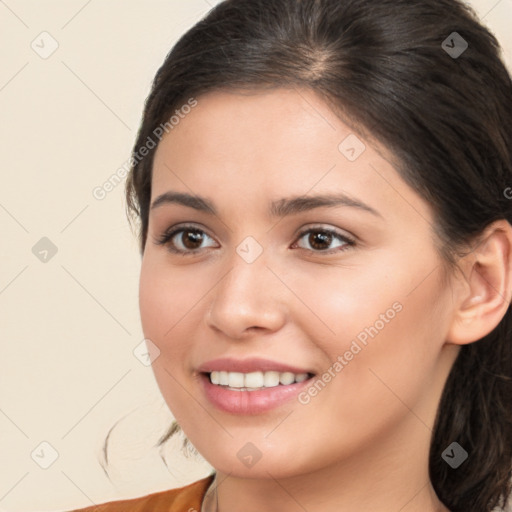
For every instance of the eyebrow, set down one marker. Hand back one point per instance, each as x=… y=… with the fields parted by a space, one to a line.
x=279 y=208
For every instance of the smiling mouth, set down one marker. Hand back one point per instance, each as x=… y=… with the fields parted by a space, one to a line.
x=255 y=381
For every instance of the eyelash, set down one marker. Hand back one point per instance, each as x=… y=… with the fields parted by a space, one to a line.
x=169 y=234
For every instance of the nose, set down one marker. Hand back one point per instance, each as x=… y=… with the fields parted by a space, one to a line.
x=248 y=299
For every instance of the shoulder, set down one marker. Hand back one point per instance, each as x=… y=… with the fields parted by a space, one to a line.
x=183 y=499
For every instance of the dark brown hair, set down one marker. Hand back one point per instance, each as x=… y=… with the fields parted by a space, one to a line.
x=447 y=118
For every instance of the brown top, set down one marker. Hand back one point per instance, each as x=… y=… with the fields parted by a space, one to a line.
x=183 y=499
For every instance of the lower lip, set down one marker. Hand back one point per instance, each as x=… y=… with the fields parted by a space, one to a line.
x=250 y=402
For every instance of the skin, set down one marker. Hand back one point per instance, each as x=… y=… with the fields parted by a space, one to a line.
x=362 y=443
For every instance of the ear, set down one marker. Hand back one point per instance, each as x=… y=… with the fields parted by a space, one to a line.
x=483 y=294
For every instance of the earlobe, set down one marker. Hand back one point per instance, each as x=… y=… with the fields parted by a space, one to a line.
x=485 y=296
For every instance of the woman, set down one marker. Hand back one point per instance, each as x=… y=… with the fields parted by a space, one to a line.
x=327 y=256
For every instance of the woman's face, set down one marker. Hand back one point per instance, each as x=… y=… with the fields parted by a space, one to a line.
x=348 y=290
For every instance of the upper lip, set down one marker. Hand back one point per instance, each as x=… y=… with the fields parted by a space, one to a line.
x=254 y=364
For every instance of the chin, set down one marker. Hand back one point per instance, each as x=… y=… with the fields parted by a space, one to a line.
x=249 y=461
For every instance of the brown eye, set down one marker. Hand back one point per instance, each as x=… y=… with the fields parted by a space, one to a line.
x=184 y=240
x=190 y=239
x=320 y=240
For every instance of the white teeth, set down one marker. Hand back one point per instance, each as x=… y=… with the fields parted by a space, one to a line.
x=271 y=379
x=255 y=380
x=286 y=378
x=236 y=380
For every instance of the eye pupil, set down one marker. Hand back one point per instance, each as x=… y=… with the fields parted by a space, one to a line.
x=324 y=238
x=193 y=237
x=190 y=239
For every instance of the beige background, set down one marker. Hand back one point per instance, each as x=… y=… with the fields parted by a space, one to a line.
x=69 y=325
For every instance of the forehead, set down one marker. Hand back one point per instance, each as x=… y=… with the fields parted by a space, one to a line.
x=233 y=123
x=271 y=144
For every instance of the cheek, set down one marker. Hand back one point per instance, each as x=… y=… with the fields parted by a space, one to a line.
x=166 y=310
x=167 y=298
x=163 y=305
x=387 y=326
x=153 y=300
x=335 y=304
